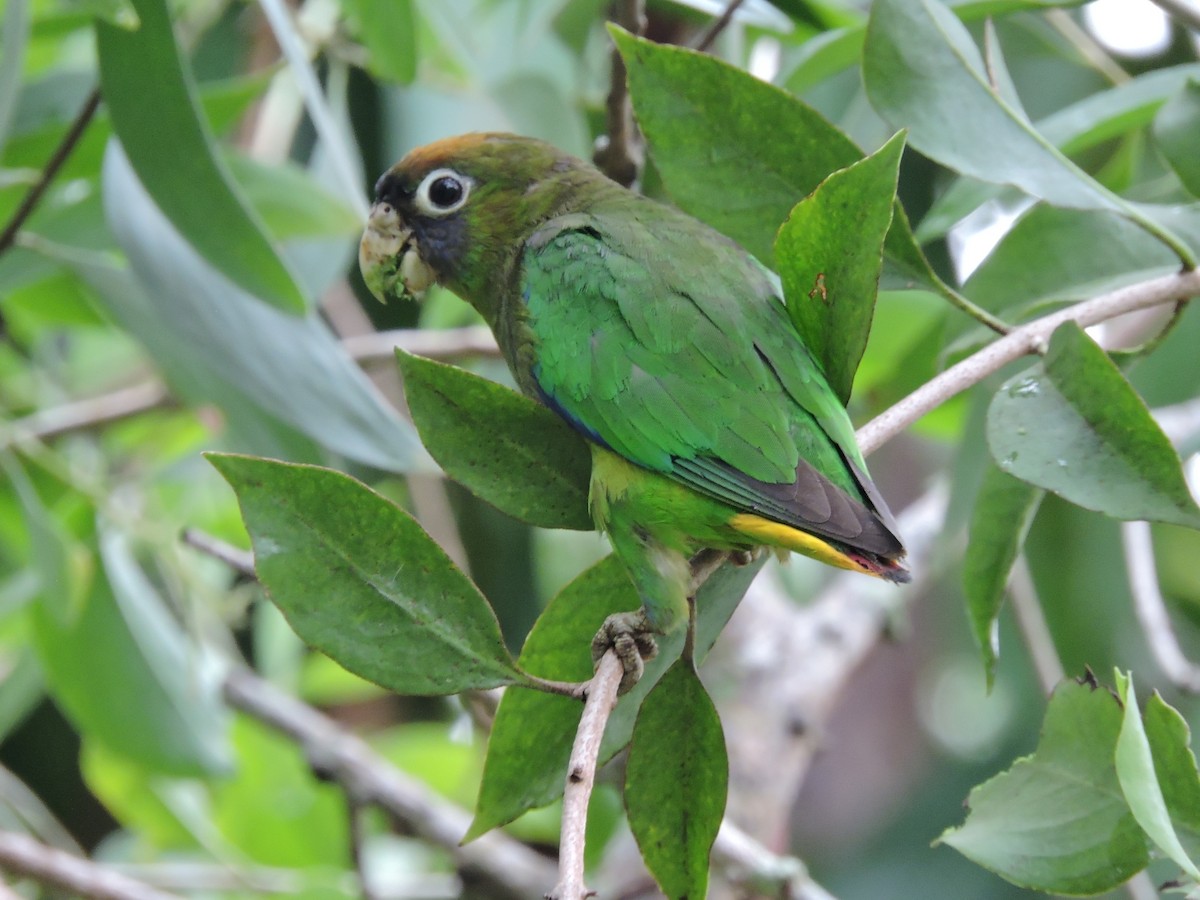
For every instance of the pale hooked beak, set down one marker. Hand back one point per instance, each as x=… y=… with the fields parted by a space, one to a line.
x=388 y=257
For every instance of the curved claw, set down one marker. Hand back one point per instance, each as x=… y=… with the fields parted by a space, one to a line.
x=631 y=637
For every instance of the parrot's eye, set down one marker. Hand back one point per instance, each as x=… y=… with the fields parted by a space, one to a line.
x=442 y=192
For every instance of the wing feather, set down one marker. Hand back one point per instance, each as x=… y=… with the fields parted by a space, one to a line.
x=709 y=384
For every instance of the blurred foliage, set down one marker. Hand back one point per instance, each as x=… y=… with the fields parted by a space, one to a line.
x=186 y=282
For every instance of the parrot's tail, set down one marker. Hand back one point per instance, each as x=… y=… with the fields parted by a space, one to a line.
x=777 y=534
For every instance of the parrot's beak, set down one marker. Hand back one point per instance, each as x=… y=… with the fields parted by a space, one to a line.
x=388 y=257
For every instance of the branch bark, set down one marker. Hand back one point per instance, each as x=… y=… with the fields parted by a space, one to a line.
x=1026 y=339
x=22 y=856
x=510 y=869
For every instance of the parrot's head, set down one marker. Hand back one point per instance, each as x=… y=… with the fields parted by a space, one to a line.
x=457 y=212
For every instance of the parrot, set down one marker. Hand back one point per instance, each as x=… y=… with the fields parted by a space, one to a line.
x=664 y=343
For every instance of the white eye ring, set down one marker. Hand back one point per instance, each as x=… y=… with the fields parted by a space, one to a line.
x=442 y=192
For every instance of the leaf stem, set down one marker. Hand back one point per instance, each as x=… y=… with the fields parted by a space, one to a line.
x=1019 y=342
x=61 y=154
x=976 y=312
x=581 y=776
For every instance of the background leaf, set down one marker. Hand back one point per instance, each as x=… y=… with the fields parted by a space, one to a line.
x=1175 y=769
x=359 y=580
x=152 y=103
x=1073 y=425
x=1000 y=520
x=921 y=69
x=503 y=447
x=675 y=781
x=1175 y=132
x=830 y=253
x=216 y=343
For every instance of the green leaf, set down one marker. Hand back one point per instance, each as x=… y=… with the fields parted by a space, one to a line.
x=290 y=201
x=359 y=580
x=215 y=343
x=530 y=744
x=126 y=676
x=1175 y=769
x=738 y=153
x=1099 y=117
x=1057 y=821
x=1176 y=128
x=388 y=29
x=531 y=738
x=830 y=255
x=675 y=781
x=1139 y=781
x=503 y=447
x=152 y=103
x=921 y=69
x=1073 y=425
x=1000 y=520
x=12 y=61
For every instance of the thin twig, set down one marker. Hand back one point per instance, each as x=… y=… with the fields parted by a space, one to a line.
x=510 y=869
x=356 y=810
x=241 y=561
x=1151 y=609
x=61 y=153
x=21 y=855
x=82 y=414
x=715 y=29
x=1021 y=341
x=432 y=343
x=1087 y=46
x=618 y=153
x=581 y=775
x=1031 y=623
x=753 y=867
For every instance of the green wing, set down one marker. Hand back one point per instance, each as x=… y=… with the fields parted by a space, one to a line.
x=666 y=342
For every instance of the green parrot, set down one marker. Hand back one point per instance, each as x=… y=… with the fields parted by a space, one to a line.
x=661 y=341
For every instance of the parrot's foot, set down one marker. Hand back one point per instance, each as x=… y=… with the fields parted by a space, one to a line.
x=631 y=637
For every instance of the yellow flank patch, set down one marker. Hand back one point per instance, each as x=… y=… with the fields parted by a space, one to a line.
x=776 y=534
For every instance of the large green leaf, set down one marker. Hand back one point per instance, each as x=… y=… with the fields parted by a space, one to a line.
x=1000 y=520
x=531 y=738
x=675 y=781
x=150 y=97
x=215 y=343
x=1073 y=425
x=530 y=743
x=1096 y=118
x=922 y=69
x=1177 y=133
x=830 y=255
x=739 y=153
x=1140 y=782
x=359 y=579
x=503 y=447
x=1057 y=821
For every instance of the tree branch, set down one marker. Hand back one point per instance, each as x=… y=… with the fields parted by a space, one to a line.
x=752 y=866
x=715 y=29
x=510 y=869
x=1031 y=338
x=1184 y=12
x=61 y=154
x=618 y=153
x=1151 y=609
x=581 y=776
x=22 y=856
x=433 y=343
